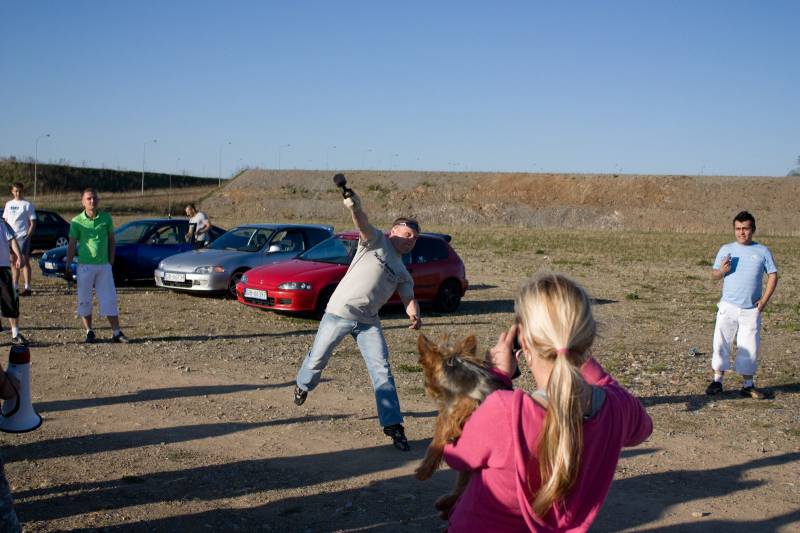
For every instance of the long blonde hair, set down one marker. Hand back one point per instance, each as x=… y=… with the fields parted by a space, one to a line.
x=557 y=324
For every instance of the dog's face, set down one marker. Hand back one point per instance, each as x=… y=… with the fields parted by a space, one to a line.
x=452 y=371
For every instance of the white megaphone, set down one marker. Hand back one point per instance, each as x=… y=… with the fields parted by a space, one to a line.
x=18 y=415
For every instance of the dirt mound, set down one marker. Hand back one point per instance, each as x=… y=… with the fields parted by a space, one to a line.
x=695 y=204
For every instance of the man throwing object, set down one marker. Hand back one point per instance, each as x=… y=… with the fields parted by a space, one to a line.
x=742 y=264
x=376 y=272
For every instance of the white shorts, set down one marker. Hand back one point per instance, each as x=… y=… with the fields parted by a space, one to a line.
x=100 y=278
x=744 y=325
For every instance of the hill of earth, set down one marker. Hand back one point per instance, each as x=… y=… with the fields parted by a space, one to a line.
x=694 y=204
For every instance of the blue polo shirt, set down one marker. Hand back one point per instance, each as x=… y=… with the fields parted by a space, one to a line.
x=742 y=285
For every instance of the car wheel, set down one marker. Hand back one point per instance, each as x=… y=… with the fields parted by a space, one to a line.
x=448 y=298
x=323 y=300
x=62 y=241
x=236 y=277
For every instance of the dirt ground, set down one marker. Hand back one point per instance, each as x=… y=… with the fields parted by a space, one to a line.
x=191 y=427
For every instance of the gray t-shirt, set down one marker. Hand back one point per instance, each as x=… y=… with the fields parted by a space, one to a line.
x=376 y=272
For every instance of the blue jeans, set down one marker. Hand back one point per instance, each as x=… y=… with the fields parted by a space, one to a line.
x=370 y=340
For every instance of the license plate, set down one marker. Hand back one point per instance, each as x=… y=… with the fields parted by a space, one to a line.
x=255 y=293
x=50 y=266
x=174 y=276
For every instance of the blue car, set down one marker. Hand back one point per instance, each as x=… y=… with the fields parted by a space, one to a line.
x=141 y=245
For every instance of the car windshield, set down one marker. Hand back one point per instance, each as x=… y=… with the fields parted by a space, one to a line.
x=243 y=239
x=132 y=232
x=334 y=250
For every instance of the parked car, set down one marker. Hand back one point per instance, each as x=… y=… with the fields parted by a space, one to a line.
x=219 y=267
x=141 y=245
x=305 y=284
x=51 y=230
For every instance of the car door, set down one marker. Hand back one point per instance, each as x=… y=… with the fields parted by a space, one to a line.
x=286 y=244
x=163 y=241
x=44 y=235
x=424 y=265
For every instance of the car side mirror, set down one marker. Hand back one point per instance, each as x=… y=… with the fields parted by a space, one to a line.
x=274 y=248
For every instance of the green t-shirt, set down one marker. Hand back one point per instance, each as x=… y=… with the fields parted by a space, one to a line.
x=92 y=234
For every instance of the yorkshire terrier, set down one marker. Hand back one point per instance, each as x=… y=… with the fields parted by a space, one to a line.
x=459 y=381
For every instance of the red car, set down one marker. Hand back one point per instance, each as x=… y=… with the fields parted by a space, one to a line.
x=305 y=284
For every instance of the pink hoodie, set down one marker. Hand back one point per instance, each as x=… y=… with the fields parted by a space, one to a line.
x=501 y=436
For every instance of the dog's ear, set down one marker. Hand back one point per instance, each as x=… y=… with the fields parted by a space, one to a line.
x=424 y=345
x=468 y=347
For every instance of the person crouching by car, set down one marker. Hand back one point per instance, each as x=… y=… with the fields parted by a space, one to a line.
x=377 y=270
x=95 y=231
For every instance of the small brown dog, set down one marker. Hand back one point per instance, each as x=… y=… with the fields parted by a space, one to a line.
x=459 y=381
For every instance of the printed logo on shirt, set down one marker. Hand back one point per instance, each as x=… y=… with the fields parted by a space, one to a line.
x=384 y=265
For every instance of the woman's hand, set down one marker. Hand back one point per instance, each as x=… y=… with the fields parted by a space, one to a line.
x=501 y=355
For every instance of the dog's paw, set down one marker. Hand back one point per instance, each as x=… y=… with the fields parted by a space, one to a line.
x=423 y=472
x=445 y=504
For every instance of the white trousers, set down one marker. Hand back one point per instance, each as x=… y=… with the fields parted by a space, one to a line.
x=744 y=325
x=100 y=278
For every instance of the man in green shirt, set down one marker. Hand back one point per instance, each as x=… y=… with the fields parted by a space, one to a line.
x=95 y=231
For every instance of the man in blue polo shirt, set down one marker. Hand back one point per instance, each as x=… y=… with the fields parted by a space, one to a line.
x=742 y=264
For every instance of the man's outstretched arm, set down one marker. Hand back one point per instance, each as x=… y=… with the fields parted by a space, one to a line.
x=365 y=229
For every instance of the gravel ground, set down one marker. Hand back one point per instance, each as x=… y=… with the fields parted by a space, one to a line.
x=191 y=427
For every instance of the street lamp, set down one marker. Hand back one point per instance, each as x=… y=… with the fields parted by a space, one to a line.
x=177 y=166
x=221 y=146
x=144 y=158
x=327 y=155
x=280 y=146
x=36 y=161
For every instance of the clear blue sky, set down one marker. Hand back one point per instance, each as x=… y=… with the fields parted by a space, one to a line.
x=677 y=87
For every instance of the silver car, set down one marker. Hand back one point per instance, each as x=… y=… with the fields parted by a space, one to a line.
x=219 y=267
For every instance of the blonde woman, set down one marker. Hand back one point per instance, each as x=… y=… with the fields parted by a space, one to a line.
x=544 y=461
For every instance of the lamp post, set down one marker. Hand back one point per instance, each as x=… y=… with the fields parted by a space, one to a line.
x=36 y=161
x=280 y=146
x=144 y=159
x=177 y=166
x=221 y=146
x=327 y=156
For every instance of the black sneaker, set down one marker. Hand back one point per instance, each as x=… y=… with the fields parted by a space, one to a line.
x=91 y=338
x=25 y=292
x=398 y=435
x=752 y=392
x=19 y=340
x=120 y=338
x=300 y=396
x=714 y=388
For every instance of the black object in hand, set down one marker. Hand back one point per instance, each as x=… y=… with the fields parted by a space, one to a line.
x=340 y=181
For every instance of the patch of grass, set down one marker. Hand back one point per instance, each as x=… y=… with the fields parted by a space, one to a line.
x=568 y=262
x=539 y=251
x=632 y=296
x=419 y=391
x=793 y=431
x=658 y=367
x=760 y=425
x=692 y=277
x=296 y=190
x=704 y=263
x=403 y=367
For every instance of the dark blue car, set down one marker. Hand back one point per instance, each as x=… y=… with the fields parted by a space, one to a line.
x=141 y=245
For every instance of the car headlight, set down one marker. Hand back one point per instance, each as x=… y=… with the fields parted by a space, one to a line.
x=243 y=278
x=295 y=286
x=161 y=265
x=209 y=269
x=44 y=255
